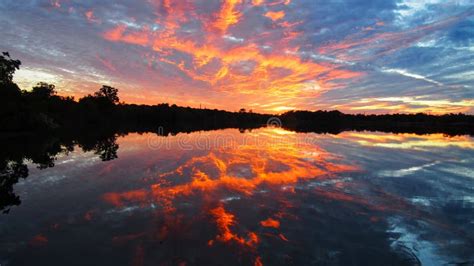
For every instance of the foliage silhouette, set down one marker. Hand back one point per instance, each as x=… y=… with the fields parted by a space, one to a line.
x=42 y=150
x=43 y=91
x=10 y=173
x=336 y=122
x=8 y=66
x=109 y=93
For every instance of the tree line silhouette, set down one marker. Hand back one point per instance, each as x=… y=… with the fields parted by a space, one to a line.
x=41 y=109
x=336 y=122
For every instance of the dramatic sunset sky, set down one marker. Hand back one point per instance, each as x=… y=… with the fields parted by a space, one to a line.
x=357 y=56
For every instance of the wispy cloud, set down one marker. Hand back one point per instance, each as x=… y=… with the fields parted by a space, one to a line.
x=405 y=73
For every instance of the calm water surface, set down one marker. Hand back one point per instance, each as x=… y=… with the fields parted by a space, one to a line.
x=265 y=197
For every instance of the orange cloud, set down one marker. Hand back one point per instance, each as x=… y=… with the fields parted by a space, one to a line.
x=275 y=15
x=209 y=177
x=243 y=70
x=225 y=221
x=227 y=16
x=284 y=161
x=209 y=174
x=118 y=199
x=90 y=16
x=119 y=34
x=270 y=223
x=233 y=52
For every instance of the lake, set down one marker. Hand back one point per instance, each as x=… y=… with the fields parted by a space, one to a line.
x=262 y=197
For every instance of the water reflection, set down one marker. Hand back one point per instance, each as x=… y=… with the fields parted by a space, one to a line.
x=265 y=197
x=42 y=151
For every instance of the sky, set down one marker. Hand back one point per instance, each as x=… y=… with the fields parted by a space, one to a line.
x=271 y=56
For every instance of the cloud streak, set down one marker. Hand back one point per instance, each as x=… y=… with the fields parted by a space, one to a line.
x=405 y=73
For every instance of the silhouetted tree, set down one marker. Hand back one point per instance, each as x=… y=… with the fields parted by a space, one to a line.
x=11 y=113
x=109 y=93
x=8 y=67
x=99 y=106
x=10 y=174
x=107 y=149
x=43 y=90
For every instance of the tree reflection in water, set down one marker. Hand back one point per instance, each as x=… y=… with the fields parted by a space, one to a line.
x=42 y=151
